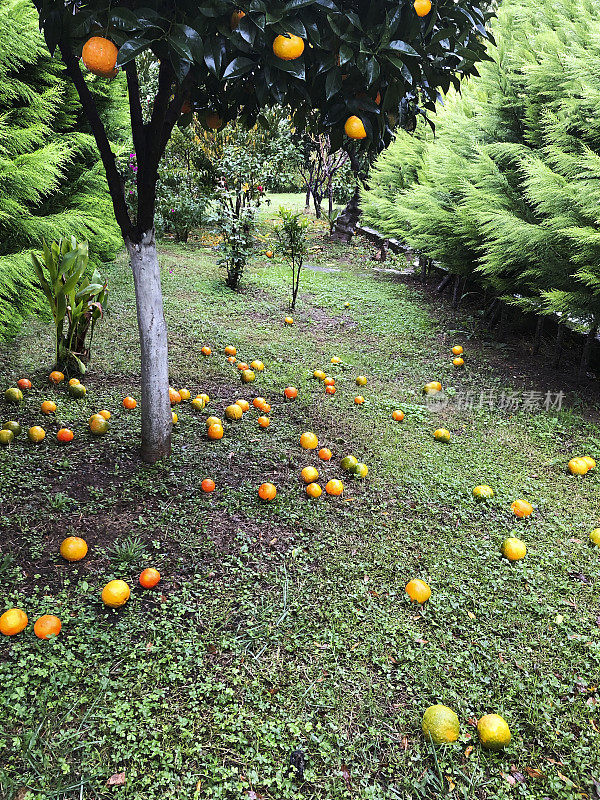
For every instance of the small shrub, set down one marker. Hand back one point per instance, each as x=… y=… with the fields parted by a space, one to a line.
x=291 y=233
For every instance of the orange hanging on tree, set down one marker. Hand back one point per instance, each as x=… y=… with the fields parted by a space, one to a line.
x=100 y=57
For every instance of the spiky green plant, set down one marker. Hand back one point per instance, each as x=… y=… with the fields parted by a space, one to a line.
x=51 y=181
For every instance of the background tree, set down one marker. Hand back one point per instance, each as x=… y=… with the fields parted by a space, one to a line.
x=229 y=62
x=507 y=192
x=51 y=181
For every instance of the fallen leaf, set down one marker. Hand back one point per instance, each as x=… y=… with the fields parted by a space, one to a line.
x=451 y=783
x=518 y=776
x=148 y=646
x=508 y=778
x=468 y=751
x=211 y=649
x=404 y=743
x=534 y=773
x=471 y=615
x=346 y=777
x=118 y=779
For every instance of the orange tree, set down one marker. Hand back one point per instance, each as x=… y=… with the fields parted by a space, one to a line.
x=351 y=61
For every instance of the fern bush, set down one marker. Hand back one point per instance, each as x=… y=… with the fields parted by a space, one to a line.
x=51 y=181
x=508 y=189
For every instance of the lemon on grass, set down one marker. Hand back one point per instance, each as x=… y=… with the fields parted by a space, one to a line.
x=440 y=724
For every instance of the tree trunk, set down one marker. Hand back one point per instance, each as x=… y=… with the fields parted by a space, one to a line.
x=558 y=347
x=539 y=330
x=346 y=223
x=156 y=407
x=456 y=292
x=307 y=200
x=586 y=353
x=443 y=283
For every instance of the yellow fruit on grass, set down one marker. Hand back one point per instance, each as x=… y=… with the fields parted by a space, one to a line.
x=98 y=424
x=247 y=376
x=314 y=490
x=361 y=380
x=590 y=462
x=289 y=320
x=13 y=395
x=334 y=488
x=355 y=128
x=494 y=733
x=595 y=536
x=234 y=412
x=433 y=387
x=184 y=394
x=441 y=435
x=213 y=421
x=308 y=440
x=197 y=404
x=513 y=549
x=6 y=437
x=418 y=590
x=458 y=362
x=73 y=548
x=319 y=375
x=36 y=434
x=13 y=621
x=215 y=432
x=205 y=397
x=578 y=466
x=521 y=508
x=483 y=492
x=115 y=594
x=360 y=470
x=243 y=404
x=257 y=366
x=310 y=474
x=457 y=350
x=440 y=724
x=48 y=407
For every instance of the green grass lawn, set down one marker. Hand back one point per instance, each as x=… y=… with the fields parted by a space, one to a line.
x=285 y=626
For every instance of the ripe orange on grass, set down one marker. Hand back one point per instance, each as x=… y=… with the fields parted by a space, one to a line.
x=258 y=402
x=291 y=392
x=208 y=485
x=319 y=375
x=361 y=380
x=266 y=408
x=422 y=7
x=309 y=440
x=247 y=376
x=355 y=128
x=149 y=577
x=441 y=435
x=232 y=359
x=359 y=400
x=230 y=350
x=267 y=491
x=334 y=487
x=309 y=474
x=398 y=415
x=56 y=377
x=314 y=490
x=330 y=390
x=24 y=384
x=36 y=434
x=105 y=414
x=513 y=549
x=13 y=621
x=418 y=591
x=48 y=407
x=269 y=254
x=198 y=404
x=213 y=421
x=100 y=56
x=204 y=397
x=215 y=431
x=65 y=435
x=115 y=594
x=47 y=626
x=174 y=397
x=289 y=320
x=73 y=548
x=336 y=360
x=578 y=466
x=241 y=365
x=74 y=381
x=288 y=47
x=458 y=362
x=264 y=422
x=325 y=454
x=457 y=350
x=185 y=394
x=206 y=351
x=329 y=381
x=521 y=508
x=129 y=402
x=243 y=404
x=257 y=365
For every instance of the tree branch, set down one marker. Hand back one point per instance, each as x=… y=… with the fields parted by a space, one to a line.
x=113 y=178
x=135 y=109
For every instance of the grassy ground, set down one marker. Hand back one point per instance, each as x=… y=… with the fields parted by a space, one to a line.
x=285 y=627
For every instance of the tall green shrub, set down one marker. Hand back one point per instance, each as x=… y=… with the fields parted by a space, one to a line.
x=52 y=183
x=508 y=190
